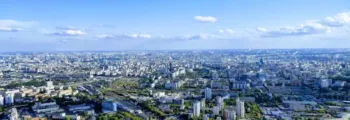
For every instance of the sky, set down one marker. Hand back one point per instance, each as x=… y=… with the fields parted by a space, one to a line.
x=113 y=25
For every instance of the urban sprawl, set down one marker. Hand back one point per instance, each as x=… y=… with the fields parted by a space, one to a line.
x=270 y=84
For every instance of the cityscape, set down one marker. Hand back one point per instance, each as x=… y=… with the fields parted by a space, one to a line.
x=208 y=84
x=174 y=60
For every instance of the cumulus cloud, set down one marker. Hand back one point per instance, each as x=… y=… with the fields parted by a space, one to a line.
x=260 y=29
x=69 y=33
x=200 y=36
x=9 y=29
x=338 y=20
x=301 y=30
x=207 y=19
x=229 y=31
x=126 y=36
x=14 y=25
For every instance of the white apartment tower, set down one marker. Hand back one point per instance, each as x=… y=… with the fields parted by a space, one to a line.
x=197 y=109
x=240 y=108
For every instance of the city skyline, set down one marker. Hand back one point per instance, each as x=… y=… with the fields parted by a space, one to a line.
x=172 y=25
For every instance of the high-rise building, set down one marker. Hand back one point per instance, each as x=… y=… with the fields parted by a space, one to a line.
x=214 y=75
x=216 y=110
x=9 y=98
x=229 y=113
x=208 y=93
x=240 y=108
x=2 y=100
x=203 y=103
x=220 y=101
x=196 y=109
x=13 y=114
x=49 y=85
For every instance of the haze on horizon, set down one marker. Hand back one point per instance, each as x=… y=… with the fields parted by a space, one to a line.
x=80 y=25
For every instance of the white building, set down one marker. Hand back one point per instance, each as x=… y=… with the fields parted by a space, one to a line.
x=230 y=113
x=240 y=108
x=216 y=110
x=197 y=109
x=208 y=93
x=203 y=103
x=240 y=85
x=324 y=83
x=220 y=101
x=2 y=100
x=49 y=85
x=13 y=114
x=205 y=117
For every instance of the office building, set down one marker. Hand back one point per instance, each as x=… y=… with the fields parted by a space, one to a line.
x=109 y=106
x=208 y=93
x=9 y=98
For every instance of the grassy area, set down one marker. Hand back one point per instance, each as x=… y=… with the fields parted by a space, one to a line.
x=253 y=111
x=124 y=84
x=147 y=105
x=119 y=116
x=35 y=83
x=229 y=102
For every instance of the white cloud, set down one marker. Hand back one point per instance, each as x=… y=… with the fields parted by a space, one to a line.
x=14 y=25
x=229 y=31
x=308 y=28
x=126 y=36
x=105 y=36
x=136 y=35
x=260 y=29
x=9 y=29
x=337 y=20
x=69 y=33
x=208 y=19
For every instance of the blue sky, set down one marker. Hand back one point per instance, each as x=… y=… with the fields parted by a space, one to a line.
x=88 y=25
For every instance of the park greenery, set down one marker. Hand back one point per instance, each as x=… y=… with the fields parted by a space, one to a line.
x=149 y=106
x=253 y=111
x=35 y=83
x=229 y=102
x=119 y=116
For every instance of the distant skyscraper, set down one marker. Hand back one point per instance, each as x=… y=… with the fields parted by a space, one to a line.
x=208 y=93
x=196 y=109
x=240 y=108
x=261 y=61
x=171 y=69
x=214 y=75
